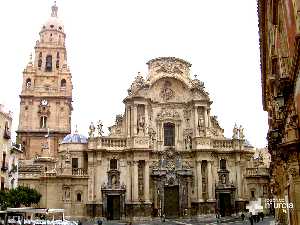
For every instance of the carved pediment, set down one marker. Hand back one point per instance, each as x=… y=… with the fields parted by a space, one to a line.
x=166 y=114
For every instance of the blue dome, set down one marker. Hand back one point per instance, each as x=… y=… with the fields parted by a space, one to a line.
x=74 y=138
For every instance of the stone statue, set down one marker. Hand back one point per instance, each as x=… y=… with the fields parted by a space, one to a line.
x=68 y=156
x=241 y=133
x=223 y=179
x=92 y=130
x=100 y=128
x=188 y=142
x=141 y=124
x=235 y=132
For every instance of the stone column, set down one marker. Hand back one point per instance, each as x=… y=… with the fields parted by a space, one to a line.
x=128 y=185
x=146 y=182
x=205 y=117
x=196 y=121
x=146 y=120
x=199 y=182
x=128 y=121
x=238 y=177
x=135 y=119
x=210 y=181
x=155 y=194
x=189 y=193
x=135 y=181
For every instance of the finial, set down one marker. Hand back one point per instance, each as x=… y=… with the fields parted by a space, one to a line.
x=195 y=76
x=139 y=73
x=54 y=10
x=76 y=129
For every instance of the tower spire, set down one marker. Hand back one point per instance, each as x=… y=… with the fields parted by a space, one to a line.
x=54 y=9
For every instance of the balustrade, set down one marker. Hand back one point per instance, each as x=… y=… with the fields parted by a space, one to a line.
x=253 y=172
x=79 y=172
x=222 y=144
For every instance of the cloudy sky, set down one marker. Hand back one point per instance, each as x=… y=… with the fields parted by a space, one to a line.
x=109 y=42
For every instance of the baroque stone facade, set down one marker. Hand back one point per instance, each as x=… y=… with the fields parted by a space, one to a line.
x=165 y=155
x=279 y=27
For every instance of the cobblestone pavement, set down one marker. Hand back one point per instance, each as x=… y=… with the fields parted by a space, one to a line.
x=207 y=221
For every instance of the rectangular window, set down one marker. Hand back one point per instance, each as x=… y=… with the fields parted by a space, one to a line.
x=74 y=163
x=275 y=12
x=169 y=134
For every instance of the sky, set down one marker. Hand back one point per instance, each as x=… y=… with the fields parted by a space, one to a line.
x=109 y=42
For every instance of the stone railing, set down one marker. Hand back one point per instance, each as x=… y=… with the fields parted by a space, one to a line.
x=113 y=142
x=256 y=172
x=222 y=144
x=79 y=172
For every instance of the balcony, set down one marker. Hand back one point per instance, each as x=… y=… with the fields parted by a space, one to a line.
x=79 y=172
x=222 y=144
x=257 y=172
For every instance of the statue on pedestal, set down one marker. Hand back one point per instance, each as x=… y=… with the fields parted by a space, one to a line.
x=241 y=133
x=100 y=128
x=141 y=125
x=235 y=132
x=91 y=130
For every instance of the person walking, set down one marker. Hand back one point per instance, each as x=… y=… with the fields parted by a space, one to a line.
x=251 y=218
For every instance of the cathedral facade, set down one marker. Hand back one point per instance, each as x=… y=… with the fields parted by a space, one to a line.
x=165 y=155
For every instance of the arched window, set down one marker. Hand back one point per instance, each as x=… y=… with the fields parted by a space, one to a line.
x=78 y=197
x=63 y=83
x=57 y=64
x=169 y=134
x=223 y=164
x=43 y=122
x=113 y=164
x=28 y=83
x=48 y=63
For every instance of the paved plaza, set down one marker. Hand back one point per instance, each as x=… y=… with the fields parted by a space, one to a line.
x=207 y=221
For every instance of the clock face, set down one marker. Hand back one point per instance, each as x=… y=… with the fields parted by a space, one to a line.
x=44 y=102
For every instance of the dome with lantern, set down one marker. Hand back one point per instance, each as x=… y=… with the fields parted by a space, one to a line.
x=74 y=138
x=53 y=23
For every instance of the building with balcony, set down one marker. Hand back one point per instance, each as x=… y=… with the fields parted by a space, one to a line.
x=165 y=155
x=5 y=145
x=279 y=29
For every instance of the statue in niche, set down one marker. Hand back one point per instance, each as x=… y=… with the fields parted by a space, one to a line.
x=141 y=125
x=188 y=142
x=152 y=135
x=91 y=130
x=235 y=132
x=223 y=178
x=113 y=181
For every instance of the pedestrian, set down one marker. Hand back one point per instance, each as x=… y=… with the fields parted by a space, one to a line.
x=243 y=216
x=218 y=217
x=99 y=222
x=164 y=218
x=79 y=222
x=262 y=216
x=251 y=218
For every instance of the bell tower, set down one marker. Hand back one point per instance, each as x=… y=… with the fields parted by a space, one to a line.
x=46 y=96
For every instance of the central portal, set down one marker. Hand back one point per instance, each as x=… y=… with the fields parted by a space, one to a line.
x=113 y=207
x=225 y=204
x=171 y=201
